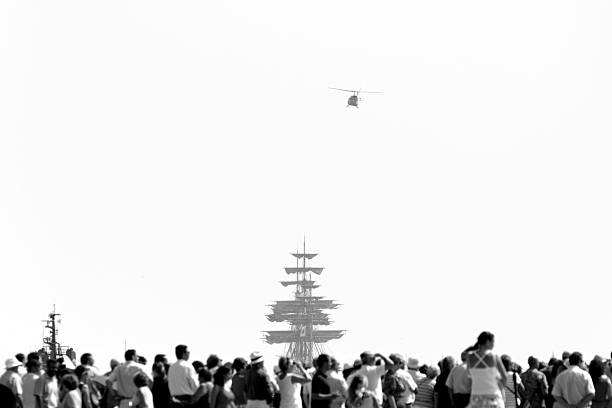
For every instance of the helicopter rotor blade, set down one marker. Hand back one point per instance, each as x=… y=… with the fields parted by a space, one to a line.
x=340 y=89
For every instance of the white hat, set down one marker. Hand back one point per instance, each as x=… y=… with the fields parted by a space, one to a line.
x=413 y=363
x=256 y=357
x=12 y=363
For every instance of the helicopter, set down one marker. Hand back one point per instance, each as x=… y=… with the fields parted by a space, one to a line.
x=354 y=99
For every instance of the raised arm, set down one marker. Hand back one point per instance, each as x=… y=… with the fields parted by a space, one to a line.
x=303 y=378
x=388 y=362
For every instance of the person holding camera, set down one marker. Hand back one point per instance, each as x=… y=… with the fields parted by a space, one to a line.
x=290 y=382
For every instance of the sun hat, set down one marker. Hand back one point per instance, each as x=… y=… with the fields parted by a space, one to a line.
x=413 y=363
x=256 y=357
x=12 y=363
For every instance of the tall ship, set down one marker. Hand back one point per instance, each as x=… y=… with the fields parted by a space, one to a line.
x=304 y=313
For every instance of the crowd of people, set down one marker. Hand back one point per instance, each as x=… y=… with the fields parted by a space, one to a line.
x=481 y=379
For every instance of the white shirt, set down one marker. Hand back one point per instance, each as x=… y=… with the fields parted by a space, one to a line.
x=416 y=375
x=182 y=379
x=12 y=381
x=337 y=383
x=573 y=384
x=408 y=396
x=373 y=374
x=48 y=390
x=143 y=398
x=124 y=375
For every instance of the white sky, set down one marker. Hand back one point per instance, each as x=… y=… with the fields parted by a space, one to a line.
x=159 y=161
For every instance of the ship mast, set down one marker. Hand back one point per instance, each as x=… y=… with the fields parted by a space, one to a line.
x=304 y=313
x=52 y=347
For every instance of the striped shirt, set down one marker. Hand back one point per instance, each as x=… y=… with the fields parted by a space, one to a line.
x=425 y=393
x=509 y=389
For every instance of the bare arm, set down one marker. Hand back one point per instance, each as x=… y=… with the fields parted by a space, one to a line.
x=200 y=392
x=502 y=370
x=585 y=400
x=304 y=378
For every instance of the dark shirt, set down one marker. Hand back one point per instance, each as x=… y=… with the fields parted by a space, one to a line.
x=320 y=385
x=536 y=387
x=258 y=385
x=161 y=393
x=444 y=400
x=239 y=389
x=221 y=398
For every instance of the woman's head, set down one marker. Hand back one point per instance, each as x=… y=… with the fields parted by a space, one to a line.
x=222 y=375
x=204 y=375
x=486 y=340
x=284 y=363
x=596 y=369
x=359 y=381
x=447 y=364
x=239 y=364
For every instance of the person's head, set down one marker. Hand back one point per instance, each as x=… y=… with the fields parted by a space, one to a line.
x=335 y=365
x=222 y=375
x=257 y=359
x=448 y=363
x=87 y=359
x=142 y=360
x=213 y=361
x=575 y=358
x=158 y=369
x=324 y=363
x=130 y=355
x=433 y=372
x=52 y=367
x=160 y=358
x=367 y=358
x=423 y=369
x=398 y=362
x=507 y=362
x=113 y=363
x=486 y=341
x=181 y=351
x=197 y=364
x=358 y=383
x=565 y=355
x=81 y=372
x=413 y=363
x=70 y=381
x=20 y=357
x=239 y=364
x=204 y=375
x=33 y=356
x=12 y=364
x=533 y=362
x=141 y=380
x=33 y=366
x=356 y=364
x=596 y=369
x=284 y=363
